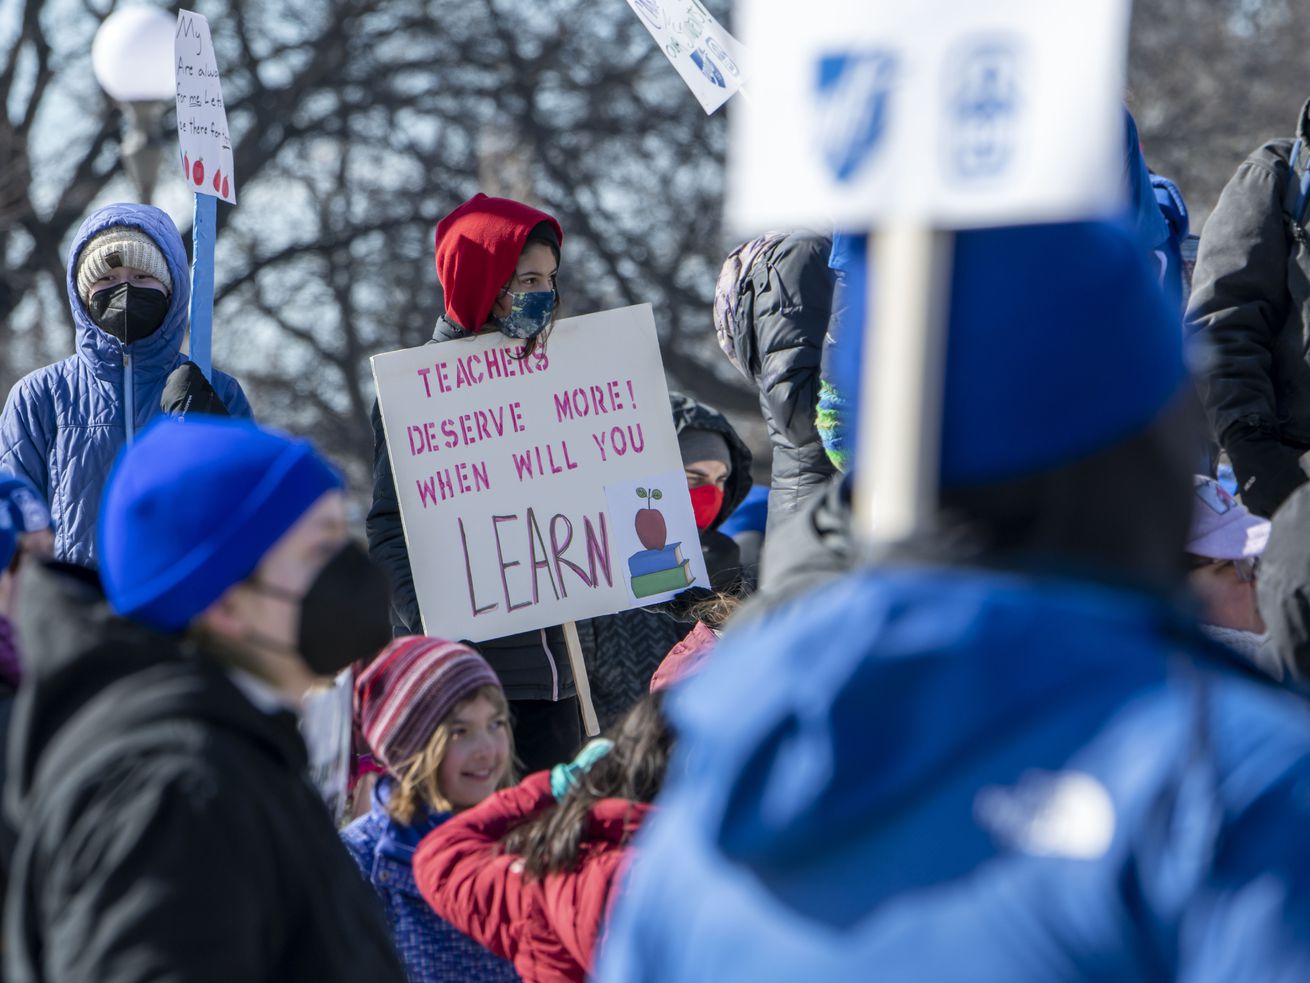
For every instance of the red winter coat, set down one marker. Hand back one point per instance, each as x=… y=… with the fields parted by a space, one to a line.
x=548 y=928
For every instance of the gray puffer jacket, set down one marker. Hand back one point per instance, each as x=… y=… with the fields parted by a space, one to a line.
x=771 y=311
x=1250 y=302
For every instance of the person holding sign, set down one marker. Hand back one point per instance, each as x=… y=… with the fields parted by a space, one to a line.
x=129 y=291
x=496 y=260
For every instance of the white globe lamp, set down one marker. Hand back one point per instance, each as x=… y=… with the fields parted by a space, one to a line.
x=132 y=57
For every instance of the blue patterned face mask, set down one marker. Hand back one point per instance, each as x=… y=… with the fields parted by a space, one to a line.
x=530 y=314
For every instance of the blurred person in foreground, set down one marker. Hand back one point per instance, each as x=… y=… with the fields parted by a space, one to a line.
x=158 y=778
x=1005 y=751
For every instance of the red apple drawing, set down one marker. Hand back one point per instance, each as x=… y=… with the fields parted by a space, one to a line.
x=186 y=166
x=226 y=188
x=649 y=522
x=198 y=172
x=218 y=183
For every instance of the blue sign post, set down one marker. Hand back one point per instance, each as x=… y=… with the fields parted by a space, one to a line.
x=202 y=283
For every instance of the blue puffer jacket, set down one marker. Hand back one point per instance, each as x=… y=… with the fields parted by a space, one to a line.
x=432 y=948
x=965 y=776
x=63 y=424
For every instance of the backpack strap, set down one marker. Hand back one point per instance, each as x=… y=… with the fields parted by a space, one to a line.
x=1297 y=191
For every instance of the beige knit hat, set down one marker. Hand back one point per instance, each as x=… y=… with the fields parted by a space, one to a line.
x=120 y=245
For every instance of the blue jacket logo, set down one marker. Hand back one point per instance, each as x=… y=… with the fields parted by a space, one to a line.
x=853 y=92
x=985 y=104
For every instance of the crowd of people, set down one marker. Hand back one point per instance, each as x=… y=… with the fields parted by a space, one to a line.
x=1061 y=734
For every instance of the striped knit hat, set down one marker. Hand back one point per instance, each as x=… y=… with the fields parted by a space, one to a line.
x=408 y=690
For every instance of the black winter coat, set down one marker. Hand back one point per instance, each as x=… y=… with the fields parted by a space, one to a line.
x=531 y=665
x=783 y=304
x=167 y=828
x=1251 y=303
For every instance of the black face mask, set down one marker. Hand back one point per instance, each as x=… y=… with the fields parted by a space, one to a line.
x=128 y=313
x=345 y=614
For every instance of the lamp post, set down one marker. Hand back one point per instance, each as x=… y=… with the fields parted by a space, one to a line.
x=132 y=57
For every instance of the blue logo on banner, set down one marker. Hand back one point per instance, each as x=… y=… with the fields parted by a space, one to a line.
x=707 y=67
x=984 y=110
x=852 y=96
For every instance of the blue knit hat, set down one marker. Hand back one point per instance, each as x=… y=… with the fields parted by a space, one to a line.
x=191 y=508
x=27 y=510
x=8 y=540
x=1061 y=344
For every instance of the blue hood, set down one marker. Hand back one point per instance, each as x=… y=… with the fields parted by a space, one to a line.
x=956 y=775
x=849 y=729
x=153 y=356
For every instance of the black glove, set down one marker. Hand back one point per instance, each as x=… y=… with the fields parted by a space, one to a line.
x=188 y=391
x=1267 y=469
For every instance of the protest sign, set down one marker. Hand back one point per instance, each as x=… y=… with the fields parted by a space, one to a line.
x=708 y=58
x=954 y=113
x=541 y=490
x=201 y=117
x=206 y=165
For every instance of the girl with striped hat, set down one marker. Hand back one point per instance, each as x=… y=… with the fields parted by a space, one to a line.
x=436 y=719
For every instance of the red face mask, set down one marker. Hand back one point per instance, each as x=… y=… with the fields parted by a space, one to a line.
x=706 y=500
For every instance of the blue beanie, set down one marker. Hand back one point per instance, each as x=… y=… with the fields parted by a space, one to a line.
x=8 y=540
x=191 y=508
x=27 y=510
x=1061 y=344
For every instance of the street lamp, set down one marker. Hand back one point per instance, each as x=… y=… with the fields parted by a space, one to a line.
x=132 y=57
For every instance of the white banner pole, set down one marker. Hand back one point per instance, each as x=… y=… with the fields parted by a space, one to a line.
x=908 y=283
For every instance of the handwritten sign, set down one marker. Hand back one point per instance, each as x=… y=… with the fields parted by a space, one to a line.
x=201 y=117
x=951 y=112
x=708 y=58
x=538 y=490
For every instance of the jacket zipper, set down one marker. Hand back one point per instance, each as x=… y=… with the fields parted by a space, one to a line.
x=554 y=670
x=129 y=396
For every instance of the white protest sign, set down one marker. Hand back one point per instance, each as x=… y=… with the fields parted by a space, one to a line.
x=541 y=490
x=708 y=58
x=949 y=112
x=201 y=116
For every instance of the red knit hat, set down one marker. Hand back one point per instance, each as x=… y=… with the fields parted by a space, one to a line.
x=478 y=249
x=408 y=690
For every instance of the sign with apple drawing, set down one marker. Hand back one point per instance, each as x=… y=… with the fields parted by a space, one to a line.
x=206 y=148
x=659 y=567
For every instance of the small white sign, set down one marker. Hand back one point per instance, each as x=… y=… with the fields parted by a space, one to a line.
x=952 y=112
x=201 y=117
x=517 y=477
x=708 y=58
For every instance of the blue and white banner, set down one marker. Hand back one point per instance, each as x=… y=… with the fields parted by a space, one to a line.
x=949 y=112
x=708 y=58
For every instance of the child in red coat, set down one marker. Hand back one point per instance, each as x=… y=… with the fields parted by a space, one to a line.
x=529 y=871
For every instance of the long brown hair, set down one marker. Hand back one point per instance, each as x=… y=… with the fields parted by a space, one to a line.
x=633 y=769
x=417 y=786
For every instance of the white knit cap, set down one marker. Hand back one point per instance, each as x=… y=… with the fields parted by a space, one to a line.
x=120 y=245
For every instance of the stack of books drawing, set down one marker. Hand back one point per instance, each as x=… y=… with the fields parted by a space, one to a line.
x=659 y=571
